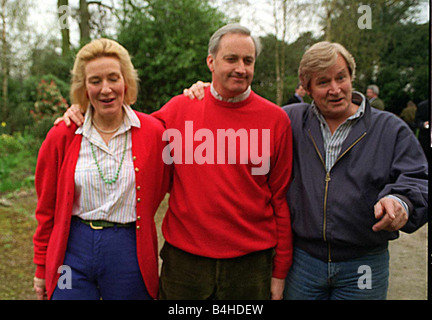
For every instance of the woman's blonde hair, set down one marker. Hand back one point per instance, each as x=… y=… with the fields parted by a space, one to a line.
x=320 y=57
x=97 y=49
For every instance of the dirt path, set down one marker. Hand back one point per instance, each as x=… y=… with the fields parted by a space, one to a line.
x=408 y=264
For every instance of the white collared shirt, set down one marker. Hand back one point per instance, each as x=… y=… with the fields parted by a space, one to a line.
x=240 y=97
x=94 y=199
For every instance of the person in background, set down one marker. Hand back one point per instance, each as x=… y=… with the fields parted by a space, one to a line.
x=408 y=115
x=99 y=187
x=422 y=121
x=372 y=93
x=298 y=95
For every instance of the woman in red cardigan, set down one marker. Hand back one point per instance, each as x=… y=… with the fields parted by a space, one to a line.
x=99 y=187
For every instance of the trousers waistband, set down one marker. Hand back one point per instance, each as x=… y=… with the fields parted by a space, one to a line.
x=320 y=250
x=101 y=224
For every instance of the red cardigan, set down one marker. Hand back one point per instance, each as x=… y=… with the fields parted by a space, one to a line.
x=55 y=189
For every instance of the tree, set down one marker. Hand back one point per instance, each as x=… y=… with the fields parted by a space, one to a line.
x=280 y=48
x=13 y=22
x=4 y=59
x=84 y=22
x=404 y=68
x=265 y=68
x=64 y=27
x=330 y=6
x=168 y=42
x=367 y=45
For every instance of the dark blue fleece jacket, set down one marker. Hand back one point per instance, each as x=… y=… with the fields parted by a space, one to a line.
x=332 y=213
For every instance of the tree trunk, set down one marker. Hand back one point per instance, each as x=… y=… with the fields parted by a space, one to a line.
x=330 y=8
x=64 y=29
x=4 y=63
x=280 y=52
x=84 y=22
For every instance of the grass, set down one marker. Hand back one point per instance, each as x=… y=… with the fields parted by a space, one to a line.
x=18 y=156
x=17 y=226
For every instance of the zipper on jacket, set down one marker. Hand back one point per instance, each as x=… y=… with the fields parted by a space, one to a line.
x=327 y=181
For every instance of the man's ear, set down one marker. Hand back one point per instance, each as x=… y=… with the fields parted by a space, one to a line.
x=210 y=62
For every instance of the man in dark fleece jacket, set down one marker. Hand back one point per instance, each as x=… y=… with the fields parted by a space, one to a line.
x=359 y=176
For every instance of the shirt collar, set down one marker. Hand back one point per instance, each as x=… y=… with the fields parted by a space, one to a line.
x=130 y=119
x=239 y=98
x=357 y=97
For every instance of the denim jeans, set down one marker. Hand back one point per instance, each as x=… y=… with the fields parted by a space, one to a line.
x=103 y=265
x=364 y=278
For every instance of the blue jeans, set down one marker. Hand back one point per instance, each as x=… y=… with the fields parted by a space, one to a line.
x=102 y=264
x=364 y=278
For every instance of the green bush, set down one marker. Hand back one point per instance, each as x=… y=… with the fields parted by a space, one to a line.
x=18 y=156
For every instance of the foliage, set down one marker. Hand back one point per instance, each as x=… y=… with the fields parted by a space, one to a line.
x=265 y=76
x=168 y=43
x=404 y=71
x=391 y=54
x=49 y=103
x=18 y=154
x=46 y=61
x=22 y=99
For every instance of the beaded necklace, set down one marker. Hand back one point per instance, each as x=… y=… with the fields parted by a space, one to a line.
x=118 y=170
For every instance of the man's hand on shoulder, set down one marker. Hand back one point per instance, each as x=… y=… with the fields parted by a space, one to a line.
x=73 y=114
x=196 y=90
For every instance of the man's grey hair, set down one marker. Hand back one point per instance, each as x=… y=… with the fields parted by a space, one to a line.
x=235 y=28
x=374 y=88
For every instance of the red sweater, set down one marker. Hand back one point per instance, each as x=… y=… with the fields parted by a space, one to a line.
x=55 y=188
x=224 y=210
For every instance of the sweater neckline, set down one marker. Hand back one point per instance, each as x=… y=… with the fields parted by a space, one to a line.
x=230 y=105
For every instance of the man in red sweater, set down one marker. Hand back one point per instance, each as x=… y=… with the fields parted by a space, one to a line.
x=227 y=228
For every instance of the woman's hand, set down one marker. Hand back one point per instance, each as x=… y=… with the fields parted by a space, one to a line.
x=39 y=288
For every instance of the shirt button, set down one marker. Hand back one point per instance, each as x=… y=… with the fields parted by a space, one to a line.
x=133 y=158
x=139 y=218
x=139 y=200
x=138 y=227
x=139 y=188
x=136 y=169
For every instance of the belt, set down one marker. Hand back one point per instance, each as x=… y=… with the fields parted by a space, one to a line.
x=101 y=224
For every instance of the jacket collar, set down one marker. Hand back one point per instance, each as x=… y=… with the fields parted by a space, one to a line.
x=311 y=124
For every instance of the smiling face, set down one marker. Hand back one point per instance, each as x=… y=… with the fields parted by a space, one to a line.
x=332 y=91
x=105 y=86
x=233 y=65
